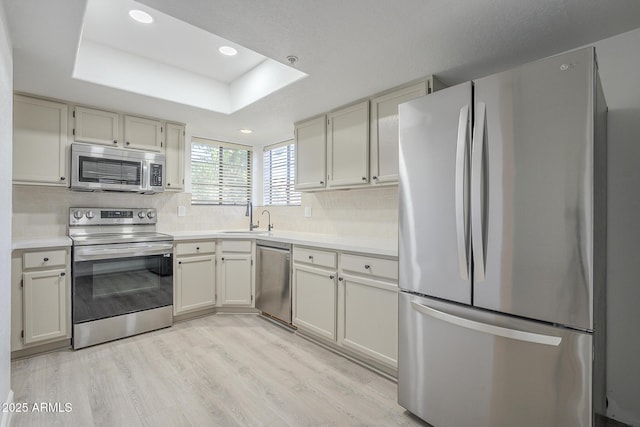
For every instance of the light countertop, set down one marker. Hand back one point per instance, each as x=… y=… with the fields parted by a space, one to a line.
x=384 y=247
x=43 y=242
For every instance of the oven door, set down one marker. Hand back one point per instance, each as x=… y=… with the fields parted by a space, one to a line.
x=117 y=279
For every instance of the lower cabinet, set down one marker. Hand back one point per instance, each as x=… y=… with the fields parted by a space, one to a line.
x=350 y=300
x=194 y=276
x=314 y=306
x=236 y=273
x=40 y=297
x=370 y=313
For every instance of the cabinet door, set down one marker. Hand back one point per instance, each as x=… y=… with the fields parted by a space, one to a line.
x=195 y=283
x=315 y=301
x=348 y=146
x=96 y=126
x=45 y=305
x=174 y=156
x=39 y=141
x=235 y=280
x=311 y=154
x=384 y=132
x=141 y=133
x=369 y=318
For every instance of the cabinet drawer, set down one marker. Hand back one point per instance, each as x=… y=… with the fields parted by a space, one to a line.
x=315 y=257
x=195 y=248
x=236 y=246
x=369 y=266
x=47 y=258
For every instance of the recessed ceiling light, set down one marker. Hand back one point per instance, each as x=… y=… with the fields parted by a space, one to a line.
x=141 y=16
x=228 y=50
x=246 y=131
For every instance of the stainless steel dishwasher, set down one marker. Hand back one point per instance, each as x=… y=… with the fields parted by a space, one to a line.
x=273 y=279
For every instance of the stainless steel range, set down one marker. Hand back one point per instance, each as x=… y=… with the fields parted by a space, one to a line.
x=122 y=274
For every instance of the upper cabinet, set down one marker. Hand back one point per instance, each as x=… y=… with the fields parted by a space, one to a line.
x=39 y=142
x=141 y=133
x=103 y=127
x=311 y=145
x=384 y=132
x=348 y=146
x=96 y=126
x=355 y=146
x=174 y=156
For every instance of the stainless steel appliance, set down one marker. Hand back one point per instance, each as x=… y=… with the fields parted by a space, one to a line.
x=502 y=238
x=97 y=168
x=273 y=279
x=122 y=274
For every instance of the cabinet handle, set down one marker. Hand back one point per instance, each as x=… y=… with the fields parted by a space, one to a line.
x=222 y=259
x=367 y=266
x=179 y=262
x=46 y=259
x=127 y=143
x=321 y=182
x=168 y=184
x=115 y=141
x=375 y=178
x=332 y=277
x=197 y=248
x=62 y=178
x=63 y=274
x=311 y=257
x=340 y=279
x=364 y=178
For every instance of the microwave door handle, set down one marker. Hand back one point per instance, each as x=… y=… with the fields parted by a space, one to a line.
x=145 y=172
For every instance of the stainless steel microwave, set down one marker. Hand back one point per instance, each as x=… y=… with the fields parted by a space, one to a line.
x=96 y=168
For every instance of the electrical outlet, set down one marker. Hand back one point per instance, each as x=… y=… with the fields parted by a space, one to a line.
x=307 y=212
x=181 y=211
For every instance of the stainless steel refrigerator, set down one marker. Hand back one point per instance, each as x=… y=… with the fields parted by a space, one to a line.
x=502 y=248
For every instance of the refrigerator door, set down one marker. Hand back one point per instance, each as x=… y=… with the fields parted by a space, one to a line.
x=460 y=366
x=532 y=186
x=433 y=242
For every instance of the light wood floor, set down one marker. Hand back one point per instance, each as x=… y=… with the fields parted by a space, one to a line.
x=222 y=370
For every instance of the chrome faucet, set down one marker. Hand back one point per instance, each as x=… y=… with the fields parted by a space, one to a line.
x=270 y=226
x=249 y=213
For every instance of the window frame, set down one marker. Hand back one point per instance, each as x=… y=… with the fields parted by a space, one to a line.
x=221 y=146
x=293 y=197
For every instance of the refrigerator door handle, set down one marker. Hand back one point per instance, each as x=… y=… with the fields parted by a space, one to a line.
x=488 y=329
x=477 y=193
x=461 y=192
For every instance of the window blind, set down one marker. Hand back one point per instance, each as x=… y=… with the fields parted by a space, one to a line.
x=279 y=175
x=220 y=173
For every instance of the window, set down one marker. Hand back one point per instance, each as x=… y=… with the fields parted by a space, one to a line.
x=220 y=173
x=279 y=174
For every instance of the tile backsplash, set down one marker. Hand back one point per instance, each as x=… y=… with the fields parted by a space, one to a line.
x=43 y=211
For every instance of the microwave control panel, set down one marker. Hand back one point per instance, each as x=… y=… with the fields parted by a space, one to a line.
x=156 y=175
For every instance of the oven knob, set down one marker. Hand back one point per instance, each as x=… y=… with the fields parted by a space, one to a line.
x=78 y=214
x=151 y=214
x=141 y=214
x=90 y=214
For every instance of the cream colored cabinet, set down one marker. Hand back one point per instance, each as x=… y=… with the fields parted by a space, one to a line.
x=174 y=156
x=96 y=126
x=194 y=276
x=141 y=133
x=348 y=146
x=311 y=154
x=236 y=273
x=384 y=132
x=40 y=297
x=368 y=307
x=315 y=281
x=40 y=141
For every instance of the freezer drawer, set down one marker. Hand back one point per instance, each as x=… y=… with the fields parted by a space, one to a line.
x=459 y=366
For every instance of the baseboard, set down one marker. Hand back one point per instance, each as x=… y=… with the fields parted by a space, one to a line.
x=6 y=416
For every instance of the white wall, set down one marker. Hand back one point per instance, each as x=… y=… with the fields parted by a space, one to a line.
x=619 y=63
x=6 y=115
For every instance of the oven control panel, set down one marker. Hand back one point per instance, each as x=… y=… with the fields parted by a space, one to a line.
x=112 y=216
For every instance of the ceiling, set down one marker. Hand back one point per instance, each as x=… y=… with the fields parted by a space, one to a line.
x=349 y=49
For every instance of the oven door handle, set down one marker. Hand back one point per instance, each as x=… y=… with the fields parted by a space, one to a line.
x=91 y=254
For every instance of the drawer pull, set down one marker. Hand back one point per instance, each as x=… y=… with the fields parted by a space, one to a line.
x=179 y=262
x=332 y=277
x=311 y=257
x=63 y=274
x=340 y=279
x=46 y=259
x=197 y=248
x=367 y=266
